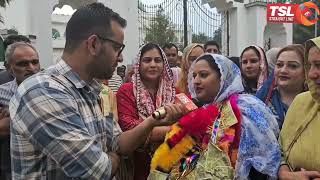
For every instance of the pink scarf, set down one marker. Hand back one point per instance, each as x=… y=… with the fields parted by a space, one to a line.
x=165 y=93
x=263 y=67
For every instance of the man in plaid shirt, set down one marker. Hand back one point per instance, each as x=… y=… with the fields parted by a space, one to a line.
x=23 y=61
x=57 y=128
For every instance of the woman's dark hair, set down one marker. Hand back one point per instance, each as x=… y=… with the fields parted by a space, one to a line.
x=211 y=63
x=235 y=60
x=149 y=47
x=248 y=48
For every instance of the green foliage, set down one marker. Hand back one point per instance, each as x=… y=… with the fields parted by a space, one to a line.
x=160 y=30
x=4 y=3
x=55 y=33
x=218 y=36
x=200 y=38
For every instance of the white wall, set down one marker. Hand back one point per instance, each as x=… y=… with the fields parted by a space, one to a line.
x=59 y=22
x=247 y=26
x=41 y=27
x=128 y=10
x=32 y=17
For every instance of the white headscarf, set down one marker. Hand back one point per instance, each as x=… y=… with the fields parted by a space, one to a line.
x=230 y=81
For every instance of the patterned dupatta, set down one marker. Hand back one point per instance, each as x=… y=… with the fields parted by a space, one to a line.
x=165 y=94
x=220 y=140
x=195 y=132
x=263 y=67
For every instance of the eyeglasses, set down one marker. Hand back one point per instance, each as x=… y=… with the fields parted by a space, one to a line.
x=117 y=46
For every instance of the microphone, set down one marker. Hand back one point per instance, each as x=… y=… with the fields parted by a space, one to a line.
x=179 y=99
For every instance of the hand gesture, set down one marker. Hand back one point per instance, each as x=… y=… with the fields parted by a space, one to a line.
x=300 y=175
x=173 y=113
x=4 y=122
x=115 y=160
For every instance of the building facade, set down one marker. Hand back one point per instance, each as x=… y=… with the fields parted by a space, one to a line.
x=245 y=23
x=35 y=18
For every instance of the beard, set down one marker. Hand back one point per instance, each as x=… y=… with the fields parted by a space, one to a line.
x=102 y=68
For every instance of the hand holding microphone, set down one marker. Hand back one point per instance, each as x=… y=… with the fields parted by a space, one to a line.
x=171 y=113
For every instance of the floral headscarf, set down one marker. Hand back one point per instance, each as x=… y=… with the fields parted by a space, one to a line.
x=230 y=81
x=165 y=93
x=258 y=147
x=263 y=67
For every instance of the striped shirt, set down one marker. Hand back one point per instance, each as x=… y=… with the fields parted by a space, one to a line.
x=7 y=90
x=58 y=130
x=115 y=82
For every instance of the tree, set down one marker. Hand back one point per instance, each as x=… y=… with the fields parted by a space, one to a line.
x=3 y=4
x=75 y=4
x=160 y=30
x=200 y=38
x=218 y=36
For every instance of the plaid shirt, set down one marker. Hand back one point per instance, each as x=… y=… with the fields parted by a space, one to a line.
x=58 y=130
x=7 y=91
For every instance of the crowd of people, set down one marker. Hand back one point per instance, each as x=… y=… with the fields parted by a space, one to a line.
x=257 y=115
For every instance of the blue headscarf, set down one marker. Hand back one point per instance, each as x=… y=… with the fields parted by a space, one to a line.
x=271 y=97
x=258 y=147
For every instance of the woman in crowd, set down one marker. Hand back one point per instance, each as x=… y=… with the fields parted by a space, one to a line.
x=254 y=68
x=190 y=53
x=151 y=87
x=271 y=56
x=288 y=81
x=232 y=135
x=300 y=132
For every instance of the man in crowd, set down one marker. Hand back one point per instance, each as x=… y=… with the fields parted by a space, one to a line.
x=116 y=81
x=58 y=130
x=23 y=61
x=5 y=75
x=212 y=47
x=171 y=51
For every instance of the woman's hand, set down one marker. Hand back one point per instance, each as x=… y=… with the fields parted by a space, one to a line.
x=286 y=174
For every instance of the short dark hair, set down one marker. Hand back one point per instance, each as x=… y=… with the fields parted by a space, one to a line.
x=14 y=38
x=212 y=43
x=94 y=18
x=235 y=60
x=170 y=45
